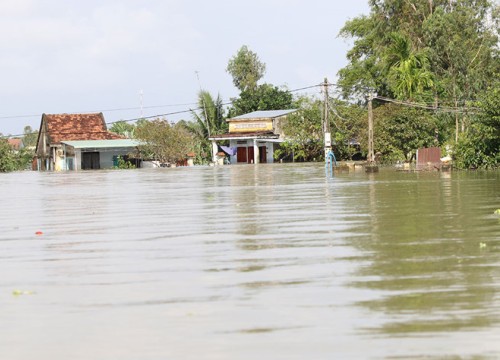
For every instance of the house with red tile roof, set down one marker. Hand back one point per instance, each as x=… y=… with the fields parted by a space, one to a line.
x=79 y=142
x=16 y=143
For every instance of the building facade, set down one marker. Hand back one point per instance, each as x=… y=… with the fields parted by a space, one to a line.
x=253 y=137
x=78 y=142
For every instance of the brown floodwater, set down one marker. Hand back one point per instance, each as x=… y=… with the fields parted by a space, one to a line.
x=249 y=262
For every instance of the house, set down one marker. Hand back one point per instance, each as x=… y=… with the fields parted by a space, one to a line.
x=252 y=137
x=16 y=143
x=78 y=142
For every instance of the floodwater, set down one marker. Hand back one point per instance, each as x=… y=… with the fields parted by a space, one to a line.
x=249 y=262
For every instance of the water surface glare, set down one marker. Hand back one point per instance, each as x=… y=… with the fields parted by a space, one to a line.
x=249 y=262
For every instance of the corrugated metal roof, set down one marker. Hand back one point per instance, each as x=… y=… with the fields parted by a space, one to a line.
x=264 y=114
x=101 y=144
x=246 y=135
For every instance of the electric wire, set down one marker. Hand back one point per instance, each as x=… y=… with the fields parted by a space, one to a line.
x=448 y=109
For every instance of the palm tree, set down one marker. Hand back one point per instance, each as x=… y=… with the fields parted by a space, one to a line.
x=123 y=128
x=208 y=120
x=408 y=70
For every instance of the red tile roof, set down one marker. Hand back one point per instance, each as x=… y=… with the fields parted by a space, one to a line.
x=15 y=143
x=67 y=127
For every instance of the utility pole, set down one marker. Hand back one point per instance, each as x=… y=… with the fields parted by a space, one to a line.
x=371 y=167
x=326 y=126
x=371 y=155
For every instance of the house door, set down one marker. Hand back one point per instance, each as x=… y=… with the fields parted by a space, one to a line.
x=250 y=155
x=90 y=161
x=241 y=155
x=262 y=154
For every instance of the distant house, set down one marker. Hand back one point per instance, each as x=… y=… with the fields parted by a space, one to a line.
x=253 y=137
x=16 y=143
x=78 y=142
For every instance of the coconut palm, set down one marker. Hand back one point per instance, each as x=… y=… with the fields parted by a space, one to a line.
x=408 y=69
x=208 y=120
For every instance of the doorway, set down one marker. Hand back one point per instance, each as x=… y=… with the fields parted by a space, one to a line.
x=90 y=161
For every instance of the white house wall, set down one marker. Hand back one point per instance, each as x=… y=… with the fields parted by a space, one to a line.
x=250 y=143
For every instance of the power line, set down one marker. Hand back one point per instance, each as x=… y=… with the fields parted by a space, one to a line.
x=429 y=107
x=104 y=110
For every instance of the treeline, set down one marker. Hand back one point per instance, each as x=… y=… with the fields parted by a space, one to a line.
x=19 y=157
x=432 y=67
x=442 y=56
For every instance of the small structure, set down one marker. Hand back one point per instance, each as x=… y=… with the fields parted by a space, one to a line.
x=429 y=158
x=252 y=137
x=79 y=141
x=16 y=143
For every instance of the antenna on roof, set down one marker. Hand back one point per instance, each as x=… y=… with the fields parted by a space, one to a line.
x=141 y=98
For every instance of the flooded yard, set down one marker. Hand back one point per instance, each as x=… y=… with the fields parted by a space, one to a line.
x=274 y=261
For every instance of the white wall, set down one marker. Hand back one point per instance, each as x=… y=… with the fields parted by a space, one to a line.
x=248 y=143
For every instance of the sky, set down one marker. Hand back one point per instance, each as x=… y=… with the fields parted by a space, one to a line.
x=99 y=55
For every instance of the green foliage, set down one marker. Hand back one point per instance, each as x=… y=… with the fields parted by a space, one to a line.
x=30 y=137
x=400 y=131
x=208 y=120
x=123 y=164
x=456 y=37
x=348 y=124
x=479 y=146
x=303 y=132
x=305 y=135
x=246 y=69
x=408 y=74
x=11 y=160
x=123 y=128
x=263 y=97
x=8 y=161
x=162 y=141
x=441 y=52
x=489 y=103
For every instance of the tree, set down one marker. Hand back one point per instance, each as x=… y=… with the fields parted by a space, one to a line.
x=208 y=120
x=14 y=160
x=30 y=137
x=123 y=128
x=263 y=97
x=8 y=160
x=443 y=52
x=479 y=145
x=454 y=35
x=408 y=72
x=303 y=133
x=246 y=69
x=348 y=125
x=400 y=131
x=163 y=142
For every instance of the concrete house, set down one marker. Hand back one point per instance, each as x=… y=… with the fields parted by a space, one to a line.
x=253 y=137
x=78 y=142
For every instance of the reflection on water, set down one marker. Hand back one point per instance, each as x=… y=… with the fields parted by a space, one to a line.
x=432 y=253
x=241 y=262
